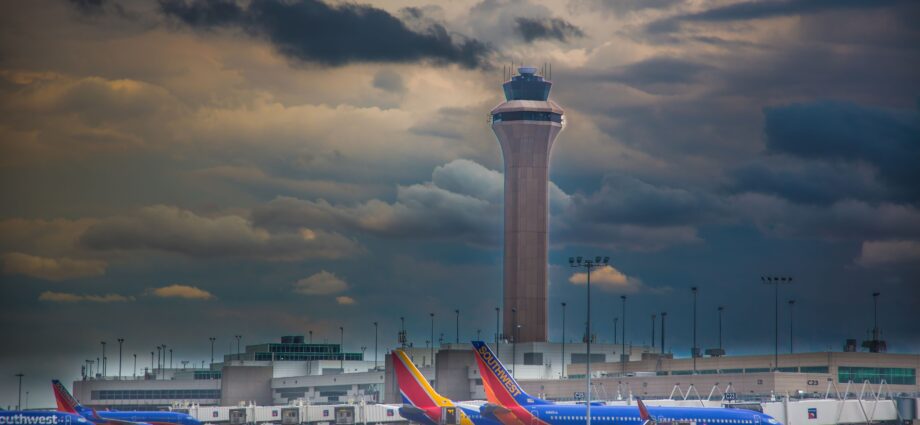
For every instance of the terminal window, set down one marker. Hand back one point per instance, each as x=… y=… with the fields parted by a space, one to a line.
x=814 y=369
x=533 y=359
x=154 y=394
x=875 y=375
x=579 y=358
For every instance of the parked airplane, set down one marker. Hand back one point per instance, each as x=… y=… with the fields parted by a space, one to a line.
x=515 y=407
x=67 y=403
x=424 y=405
x=36 y=417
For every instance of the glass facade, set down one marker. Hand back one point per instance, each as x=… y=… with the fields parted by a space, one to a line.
x=875 y=375
x=526 y=116
x=207 y=374
x=803 y=369
x=307 y=356
x=292 y=348
x=526 y=86
x=814 y=369
x=533 y=359
x=579 y=358
x=155 y=394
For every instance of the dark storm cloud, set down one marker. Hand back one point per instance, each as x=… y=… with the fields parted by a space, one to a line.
x=766 y=9
x=88 y=6
x=172 y=230
x=462 y=203
x=533 y=29
x=888 y=139
x=808 y=182
x=844 y=220
x=442 y=209
x=313 y=31
x=628 y=200
x=657 y=75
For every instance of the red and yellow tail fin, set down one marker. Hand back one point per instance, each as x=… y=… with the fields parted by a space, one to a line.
x=65 y=401
x=414 y=388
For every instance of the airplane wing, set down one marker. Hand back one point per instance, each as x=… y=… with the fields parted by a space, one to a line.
x=111 y=421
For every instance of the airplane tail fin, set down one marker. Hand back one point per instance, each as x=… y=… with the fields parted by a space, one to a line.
x=414 y=387
x=500 y=386
x=65 y=401
x=646 y=417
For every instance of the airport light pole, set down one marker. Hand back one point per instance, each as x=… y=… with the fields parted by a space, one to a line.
x=375 y=345
x=238 y=338
x=720 y=309
x=623 y=355
x=791 y=338
x=151 y=363
x=19 y=402
x=458 y=325
x=776 y=281
x=432 y=338
x=616 y=321
x=513 y=340
x=514 y=347
x=311 y=335
x=103 y=358
x=588 y=265
x=212 y=339
x=120 y=342
x=163 y=367
x=342 y=348
x=663 y=315
x=402 y=332
x=170 y=358
x=563 y=340
x=498 y=331
x=694 y=352
x=134 y=371
x=875 y=331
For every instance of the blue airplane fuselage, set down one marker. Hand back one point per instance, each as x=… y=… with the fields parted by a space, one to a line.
x=561 y=414
x=37 y=417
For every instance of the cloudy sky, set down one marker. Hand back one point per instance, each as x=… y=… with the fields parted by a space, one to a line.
x=176 y=170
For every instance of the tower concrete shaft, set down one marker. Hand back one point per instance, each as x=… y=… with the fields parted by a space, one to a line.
x=526 y=125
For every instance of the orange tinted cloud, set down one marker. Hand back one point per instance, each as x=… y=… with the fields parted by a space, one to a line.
x=63 y=297
x=55 y=269
x=182 y=291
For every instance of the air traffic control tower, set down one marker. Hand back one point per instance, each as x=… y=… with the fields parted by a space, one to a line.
x=526 y=125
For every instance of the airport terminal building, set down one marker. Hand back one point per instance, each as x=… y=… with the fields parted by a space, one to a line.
x=294 y=372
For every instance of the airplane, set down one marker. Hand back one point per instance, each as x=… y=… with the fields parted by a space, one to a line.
x=67 y=403
x=424 y=405
x=513 y=406
x=37 y=417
